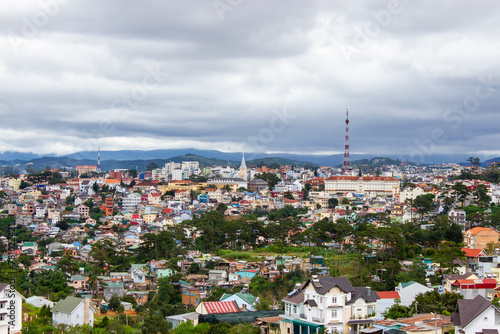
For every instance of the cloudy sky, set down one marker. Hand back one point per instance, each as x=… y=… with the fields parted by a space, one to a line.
x=250 y=75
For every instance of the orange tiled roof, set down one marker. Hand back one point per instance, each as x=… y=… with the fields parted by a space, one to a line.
x=388 y=294
x=470 y=252
x=477 y=230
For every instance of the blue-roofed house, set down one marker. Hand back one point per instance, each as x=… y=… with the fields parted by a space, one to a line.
x=247 y=273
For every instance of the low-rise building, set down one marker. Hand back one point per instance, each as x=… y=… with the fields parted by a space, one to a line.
x=73 y=311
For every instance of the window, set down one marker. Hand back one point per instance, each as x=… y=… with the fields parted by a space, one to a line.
x=334 y=300
x=294 y=309
x=334 y=314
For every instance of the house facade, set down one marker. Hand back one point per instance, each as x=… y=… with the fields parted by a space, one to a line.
x=479 y=237
x=10 y=310
x=331 y=304
x=409 y=290
x=73 y=311
x=475 y=316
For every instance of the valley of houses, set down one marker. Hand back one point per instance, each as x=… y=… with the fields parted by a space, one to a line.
x=161 y=198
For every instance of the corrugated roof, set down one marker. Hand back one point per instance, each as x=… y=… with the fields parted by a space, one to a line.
x=221 y=307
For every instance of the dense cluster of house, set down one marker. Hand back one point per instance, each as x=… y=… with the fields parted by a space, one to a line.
x=165 y=197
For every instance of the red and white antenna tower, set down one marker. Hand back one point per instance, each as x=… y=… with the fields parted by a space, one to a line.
x=346 y=166
x=99 y=160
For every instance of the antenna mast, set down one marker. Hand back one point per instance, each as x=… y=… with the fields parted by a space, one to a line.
x=346 y=166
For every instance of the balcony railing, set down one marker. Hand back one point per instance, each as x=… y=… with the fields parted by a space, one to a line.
x=317 y=319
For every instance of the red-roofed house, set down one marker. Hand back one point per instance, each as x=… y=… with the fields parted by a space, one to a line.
x=473 y=253
x=316 y=181
x=179 y=194
x=154 y=198
x=217 y=307
x=471 y=288
x=385 y=301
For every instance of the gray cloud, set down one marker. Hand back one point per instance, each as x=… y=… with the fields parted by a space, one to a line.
x=75 y=74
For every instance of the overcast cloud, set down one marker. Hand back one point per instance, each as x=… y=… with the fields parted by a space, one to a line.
x=250 y=75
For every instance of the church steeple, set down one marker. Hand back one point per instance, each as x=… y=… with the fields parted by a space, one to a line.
x=243 y=168
x=243 y=164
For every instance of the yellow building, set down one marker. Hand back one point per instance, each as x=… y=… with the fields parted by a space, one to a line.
x=15 y=184
x=149 y=217
x=86 y=169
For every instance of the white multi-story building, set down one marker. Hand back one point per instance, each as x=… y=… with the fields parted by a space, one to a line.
x=365 y=185
x=176 y=174
x=410 y=193
x=131 y=201
x=329 y=303
x=457 y=216
x=191 y=165
x=10 y=310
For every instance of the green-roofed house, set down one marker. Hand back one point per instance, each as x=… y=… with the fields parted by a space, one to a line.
x=73 y=311
x=30 y=248
x=245 y=300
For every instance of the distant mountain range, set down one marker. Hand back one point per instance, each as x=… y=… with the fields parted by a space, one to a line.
x=140 y=159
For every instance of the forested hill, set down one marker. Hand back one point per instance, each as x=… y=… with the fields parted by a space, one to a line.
x=140 y=165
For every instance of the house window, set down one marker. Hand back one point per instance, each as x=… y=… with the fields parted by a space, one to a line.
x=334 y=300
x=334 y=314
x=294 y=309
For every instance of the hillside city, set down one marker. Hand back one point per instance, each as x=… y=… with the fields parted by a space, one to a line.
x=187 y=248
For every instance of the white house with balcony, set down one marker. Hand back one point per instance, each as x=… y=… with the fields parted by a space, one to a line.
x=331 y=304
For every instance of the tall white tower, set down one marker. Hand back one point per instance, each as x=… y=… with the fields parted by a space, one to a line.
x=243 y=168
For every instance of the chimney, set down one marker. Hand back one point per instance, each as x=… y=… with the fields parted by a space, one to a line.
x=86 y=312
x=369 y=291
